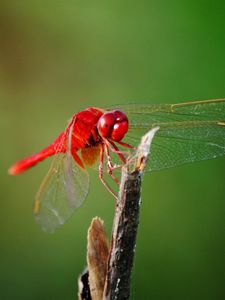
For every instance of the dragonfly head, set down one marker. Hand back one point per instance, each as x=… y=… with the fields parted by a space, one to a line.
x=113 y=125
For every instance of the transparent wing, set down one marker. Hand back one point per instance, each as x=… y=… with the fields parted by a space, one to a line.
x=189 y=132
x=64 y=189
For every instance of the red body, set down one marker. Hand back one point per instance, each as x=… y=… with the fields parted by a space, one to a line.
x=90 y=127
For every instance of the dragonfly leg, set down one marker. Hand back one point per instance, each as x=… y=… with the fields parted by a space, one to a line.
x=121 y=155
x=126 y=160
x=125 y=145
x=100 y=174
x=110 y=166
x=116 y=150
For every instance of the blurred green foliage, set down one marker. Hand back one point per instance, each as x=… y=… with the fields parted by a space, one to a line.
x=58 y=57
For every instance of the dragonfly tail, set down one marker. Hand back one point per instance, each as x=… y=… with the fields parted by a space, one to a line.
x=30 y=161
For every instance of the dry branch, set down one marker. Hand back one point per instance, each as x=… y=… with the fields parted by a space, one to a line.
x=125 y=226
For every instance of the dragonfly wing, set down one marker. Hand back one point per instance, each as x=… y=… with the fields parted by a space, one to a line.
x=76 y=178
x=189 y=132
x=148 y=115
x=176 y=146
x=64 y=189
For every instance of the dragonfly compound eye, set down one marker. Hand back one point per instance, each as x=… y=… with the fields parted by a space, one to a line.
x=113 y=125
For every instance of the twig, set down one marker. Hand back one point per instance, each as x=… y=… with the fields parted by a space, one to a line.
x=124 y=238
x=125 y=226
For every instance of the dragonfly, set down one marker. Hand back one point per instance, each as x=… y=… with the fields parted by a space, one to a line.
x=188 y=132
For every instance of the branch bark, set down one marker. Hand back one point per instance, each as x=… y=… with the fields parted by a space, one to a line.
x=123 y=242
x=125 y=226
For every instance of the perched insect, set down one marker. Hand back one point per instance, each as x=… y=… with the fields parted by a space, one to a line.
x=189 y=132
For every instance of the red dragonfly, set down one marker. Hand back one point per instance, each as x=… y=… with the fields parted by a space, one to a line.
x=188 y=132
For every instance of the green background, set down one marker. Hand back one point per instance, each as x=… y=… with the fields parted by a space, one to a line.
x=58 y=57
